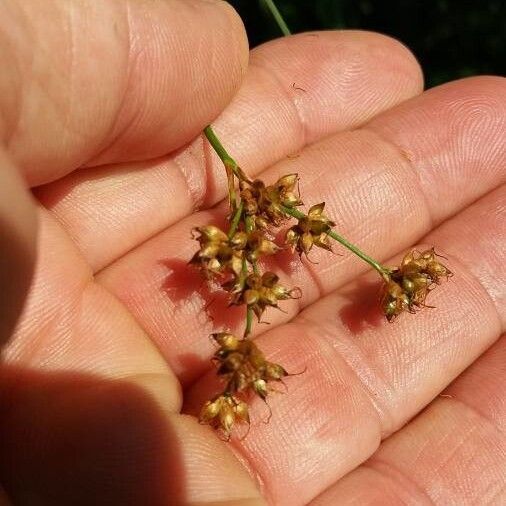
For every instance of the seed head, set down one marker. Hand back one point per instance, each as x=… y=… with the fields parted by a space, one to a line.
x=394 y=300
x=226 y=341
x=262 y=291
x=264 y=202
x=243 y=366
x=310 y=231
x=258 y=245
x=408 y=285
x=223 y=411
x=218 y=254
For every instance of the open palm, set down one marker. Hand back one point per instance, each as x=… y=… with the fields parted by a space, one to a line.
x=101 y=115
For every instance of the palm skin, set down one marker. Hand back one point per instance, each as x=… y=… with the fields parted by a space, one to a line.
x=114 y=334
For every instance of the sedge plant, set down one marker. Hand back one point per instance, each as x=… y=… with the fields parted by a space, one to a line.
x=231 y=257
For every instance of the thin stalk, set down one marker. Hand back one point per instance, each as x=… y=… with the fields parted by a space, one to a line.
x=235 y=220
x=232 y=167
x=295 y=213
x=366 y=258
x=231 y=188
x=250 y=226
x=249 y=321
x=249 y=311
x=277 y=17
x=227 y=160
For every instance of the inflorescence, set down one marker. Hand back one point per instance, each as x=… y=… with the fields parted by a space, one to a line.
x=232 y=258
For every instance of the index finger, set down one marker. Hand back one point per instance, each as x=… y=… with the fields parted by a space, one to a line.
x=112 y=81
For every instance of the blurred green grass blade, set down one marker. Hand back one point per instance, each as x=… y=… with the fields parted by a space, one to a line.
x=271 y=6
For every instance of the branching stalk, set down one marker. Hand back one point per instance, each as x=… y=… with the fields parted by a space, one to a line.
x=256 y=211
x=235 y=220
x=295 y=213
x=228 y=161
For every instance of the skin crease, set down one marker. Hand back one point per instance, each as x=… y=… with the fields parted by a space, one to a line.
x=111 y=342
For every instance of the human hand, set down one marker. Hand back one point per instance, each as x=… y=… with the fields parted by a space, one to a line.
x=115 y=331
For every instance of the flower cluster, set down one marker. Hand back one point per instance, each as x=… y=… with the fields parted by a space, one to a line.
x=223 y=411
x=266 y=203
x=407 y=286
x=244 y=370
x=233 y=258
x=218 y=253
x=311 y=230
x=262 y=291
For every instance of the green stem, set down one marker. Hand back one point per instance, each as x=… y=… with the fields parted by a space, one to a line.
x=295 y=213
x=231 y=165
x=277 y=17
x=227 y=160
x=366 y=258
x=231 y=189
x=235 y=220
x=218 y=146
x=250 y=226
x=249 y=311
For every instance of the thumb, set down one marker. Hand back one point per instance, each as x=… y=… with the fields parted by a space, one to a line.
x=17 y=245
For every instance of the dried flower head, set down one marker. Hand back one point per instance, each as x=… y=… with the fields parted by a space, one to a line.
x=258 y=245
x=408 y=285
x=223 y=412
x=394 y=300
x=311 y=230
x=218 y=254
x=243 y=366
x=244 y=369
x=262 y=291
x=265 y=202
x=255 y=211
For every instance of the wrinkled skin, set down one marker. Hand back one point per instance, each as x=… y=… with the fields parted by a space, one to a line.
x=101 y=111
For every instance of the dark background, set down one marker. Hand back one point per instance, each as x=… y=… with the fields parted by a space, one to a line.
x=450 y=38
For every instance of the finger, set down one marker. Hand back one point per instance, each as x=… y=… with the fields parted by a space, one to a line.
x=365 y=377
x=458 y=440
x=112 y=81
x=97 y=441
x=68 y=319
x=17 y=244
x=297 y=90
x=103 y=402
x=482 y=255
x=379 y=199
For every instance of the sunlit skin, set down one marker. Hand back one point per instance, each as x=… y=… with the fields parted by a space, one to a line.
x=101 y=114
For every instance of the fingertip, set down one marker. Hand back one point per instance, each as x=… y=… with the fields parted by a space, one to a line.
x=239 y=33
x=340 y=79
x=394 y=57
x=137 y=80
x=194 y=66
x=402 y=55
